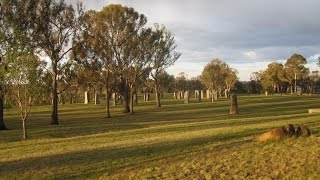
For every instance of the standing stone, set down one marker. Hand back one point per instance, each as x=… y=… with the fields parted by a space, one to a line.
x=186 y=97
x=199 y=96
x=96 y=98
x=266 y=93
x=86 y=97
x=202 y=94
x=145 y=97
x=114 y=99
x=181 y=95
x=234 y=104
x=208 y=94
x=196 y=94
x=215 y=95
x=174 y=95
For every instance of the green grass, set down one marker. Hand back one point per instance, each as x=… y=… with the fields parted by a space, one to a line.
x=177 y=141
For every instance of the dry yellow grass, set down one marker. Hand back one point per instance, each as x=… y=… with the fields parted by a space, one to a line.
x=177 y=141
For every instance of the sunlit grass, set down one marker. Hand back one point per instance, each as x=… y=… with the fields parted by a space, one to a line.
x=196 y=140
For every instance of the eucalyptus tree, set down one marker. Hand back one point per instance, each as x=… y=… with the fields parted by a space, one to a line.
x=162 y=55
x=120 y=30
x=230 y=79
x=112 y=38
x=295 y=70
x=14 y=23
x=214 y=75
x=273 y=77
x=255 y=83
x=180 y=83
x=51 y=29
x=24 y=78
x=2 y=91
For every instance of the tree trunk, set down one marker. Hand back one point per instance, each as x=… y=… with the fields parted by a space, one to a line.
x=156 y=89
x=24 y=128
x=126 y=101
x=295 y=84
x=108 y=104
x=2 y=125
x=291 y=89
x=54 y=115
x=131 y=100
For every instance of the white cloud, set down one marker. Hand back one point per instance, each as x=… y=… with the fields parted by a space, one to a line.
x=243 y=33
x=314 y=57
x=252 y=55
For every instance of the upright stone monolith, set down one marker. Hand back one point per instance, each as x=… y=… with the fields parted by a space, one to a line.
x=144 y=96
x=96 y=98
x=174 y=95
x=215 y=95
x=202 y=94
x=181 y=95
x=208 y=94
x=186 y=97
x=199 y=96
x=114 y=99
x=266 y=93
x=86 y=97
x=234 y=104
x=196 y=94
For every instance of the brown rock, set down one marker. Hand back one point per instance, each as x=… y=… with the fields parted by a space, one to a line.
x=274 y=134
x=290 y=130
x=303 y=131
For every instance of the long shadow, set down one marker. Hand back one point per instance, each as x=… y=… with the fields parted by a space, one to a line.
x=131 y=156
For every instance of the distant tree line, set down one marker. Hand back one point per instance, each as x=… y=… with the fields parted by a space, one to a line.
x=283 y=78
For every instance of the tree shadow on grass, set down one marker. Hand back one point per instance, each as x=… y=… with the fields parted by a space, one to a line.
x=96 y=162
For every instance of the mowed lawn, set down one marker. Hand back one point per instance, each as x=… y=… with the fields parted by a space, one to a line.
x=177 y=141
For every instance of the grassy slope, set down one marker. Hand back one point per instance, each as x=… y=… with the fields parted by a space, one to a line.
x=198 y=140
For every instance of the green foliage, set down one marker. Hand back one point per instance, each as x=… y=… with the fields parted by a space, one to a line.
x=295 y=68
x=217 y=76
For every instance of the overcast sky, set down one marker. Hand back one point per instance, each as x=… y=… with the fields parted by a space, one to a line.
x=246 y=34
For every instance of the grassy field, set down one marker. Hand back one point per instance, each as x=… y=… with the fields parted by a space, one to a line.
x=177 y=141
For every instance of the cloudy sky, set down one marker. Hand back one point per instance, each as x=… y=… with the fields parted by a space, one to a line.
x=247 y=34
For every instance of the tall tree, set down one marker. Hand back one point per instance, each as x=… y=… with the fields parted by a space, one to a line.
x=54 y=34
x=162 y=55
x=51 y=27
x=14 y=23
x=24 y=77
x=273 y=77
x=214 y=75
x=122 y=27
x=295 y=70
x=230 y=80
x=181 y=82
x=2 y=84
